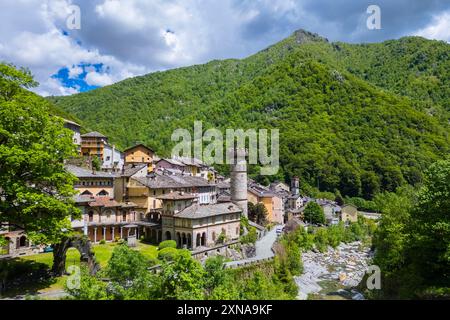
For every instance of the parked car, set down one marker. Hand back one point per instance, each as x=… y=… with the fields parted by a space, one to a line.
x=48 y=249
x=279 y=230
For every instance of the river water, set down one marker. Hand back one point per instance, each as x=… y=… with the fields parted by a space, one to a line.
x=333 y=275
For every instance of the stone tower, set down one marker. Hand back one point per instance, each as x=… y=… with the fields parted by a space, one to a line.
x=238 y=180
x=295 y=185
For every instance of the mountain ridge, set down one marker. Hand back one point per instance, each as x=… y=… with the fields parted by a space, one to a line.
x=303 y=85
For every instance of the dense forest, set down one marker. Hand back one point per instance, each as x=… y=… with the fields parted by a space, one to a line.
x=358 y=118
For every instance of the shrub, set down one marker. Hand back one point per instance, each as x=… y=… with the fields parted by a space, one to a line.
x=250 y=237
x=167 y=244
x=103 y=241
x=167 y=254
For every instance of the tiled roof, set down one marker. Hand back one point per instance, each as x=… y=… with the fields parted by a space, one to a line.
x=177 y=196
x=197 y=211
x=110 y=203
x=80 y=172
x=93 y=134
x=173 y=161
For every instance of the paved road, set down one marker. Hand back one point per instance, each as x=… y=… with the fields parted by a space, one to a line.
x=263 y=249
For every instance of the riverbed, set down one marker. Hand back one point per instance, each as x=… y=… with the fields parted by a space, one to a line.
x=333 y=275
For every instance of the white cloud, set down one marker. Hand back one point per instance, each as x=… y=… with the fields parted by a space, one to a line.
x=134 y=37
x=438 y=29
x=98 y=79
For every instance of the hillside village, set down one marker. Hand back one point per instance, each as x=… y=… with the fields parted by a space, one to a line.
x=137 y=195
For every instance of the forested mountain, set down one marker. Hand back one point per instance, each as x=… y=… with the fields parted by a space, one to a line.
x=355 y=118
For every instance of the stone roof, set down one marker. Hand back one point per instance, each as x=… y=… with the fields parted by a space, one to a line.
x=130 y=170
x=93 y=134
x=163 y=181
x=81 y=172
x=197 y=211
x=173 y=161
x=223 y=185
x=139 y=145
x=177 y=196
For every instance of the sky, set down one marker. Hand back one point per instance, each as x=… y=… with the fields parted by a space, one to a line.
x=111 y=40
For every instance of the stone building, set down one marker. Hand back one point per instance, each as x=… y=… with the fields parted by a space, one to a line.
x=193 y=225
x=103 y=218
x=93 y=183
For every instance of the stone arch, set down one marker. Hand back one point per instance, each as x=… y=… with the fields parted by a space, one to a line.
x=22 y=241
x=168 y=235
x=189 y=240
x=83 y=245
x=178 y=239
x=198 y=240
x=183 y=239
x=203 y=240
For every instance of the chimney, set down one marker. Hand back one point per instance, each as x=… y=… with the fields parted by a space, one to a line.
x=238 y=181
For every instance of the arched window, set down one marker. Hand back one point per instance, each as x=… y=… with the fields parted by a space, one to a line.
x=87 y=193
x=103 y=193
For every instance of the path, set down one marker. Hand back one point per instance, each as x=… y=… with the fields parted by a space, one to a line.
x=263 y=250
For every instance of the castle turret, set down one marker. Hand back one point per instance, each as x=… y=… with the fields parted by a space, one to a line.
x=295 y=185
x=238 y=181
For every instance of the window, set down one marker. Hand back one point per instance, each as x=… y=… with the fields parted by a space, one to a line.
x=91 y=216
x=124 y=217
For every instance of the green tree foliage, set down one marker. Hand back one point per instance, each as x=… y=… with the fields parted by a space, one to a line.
x=362 y=119
x=35 y=190
x=167 y=254
x=313 y=213
x=258 y=213
x=96 y=163
x=167 y=244
x=412 y=240
x=183 y=278
x=90 y=288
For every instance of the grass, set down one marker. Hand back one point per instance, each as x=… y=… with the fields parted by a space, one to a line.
x=29 y=274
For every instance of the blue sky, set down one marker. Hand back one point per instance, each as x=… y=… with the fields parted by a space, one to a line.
x=119 y=39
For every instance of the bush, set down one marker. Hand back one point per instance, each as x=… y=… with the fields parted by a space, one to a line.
x=250 y=237
x=103 y=241
x=167 y=254
x=167 y=244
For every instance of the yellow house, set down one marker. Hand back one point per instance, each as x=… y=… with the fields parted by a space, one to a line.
x=140 y=154
x=272 y=202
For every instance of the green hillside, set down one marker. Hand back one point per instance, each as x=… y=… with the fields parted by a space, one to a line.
x=358 y=118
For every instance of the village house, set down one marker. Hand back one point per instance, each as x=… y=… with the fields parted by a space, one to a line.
x=93 y=144
x=76 y=129
x=103 y=218
x=271 y=201
x=349 y=213
x=145 y=191
x=140 y=154
x=92 y=183
x=193 y=224
x=113 y=159
x=278 y=186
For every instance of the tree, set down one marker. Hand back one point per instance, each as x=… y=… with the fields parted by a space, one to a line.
x=128 y=273
x=313 y=213
x=35 y=190
x=183 y=278
x=90 y=287
x=257 y=213
x=96 y=164
x=430 y=229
